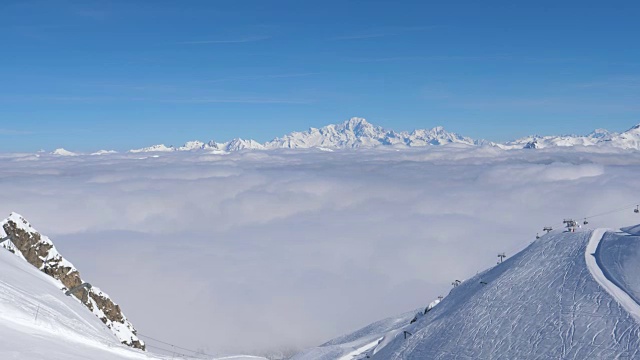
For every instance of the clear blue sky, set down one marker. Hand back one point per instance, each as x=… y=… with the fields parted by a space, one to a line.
x=119 y=74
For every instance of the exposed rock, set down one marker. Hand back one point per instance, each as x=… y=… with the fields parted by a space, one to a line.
x=23 y=240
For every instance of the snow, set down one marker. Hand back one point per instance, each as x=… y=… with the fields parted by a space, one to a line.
x=618 y=255
x=561 y=297
x=104 y=152
x=154 y=148
x=63 y=152
x=24 y=225
x=359 y=133
x=353 y=133
x=632 y=230
x=124 y=331
x=599 y=273
x=38 y=321
x=64 y=329
x=353 y=345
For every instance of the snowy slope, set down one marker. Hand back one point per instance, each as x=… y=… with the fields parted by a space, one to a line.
x=618 y=256
x=542 y=303
x=38 y=321
x=19 y=237
x=358 y=342
x=64 y=328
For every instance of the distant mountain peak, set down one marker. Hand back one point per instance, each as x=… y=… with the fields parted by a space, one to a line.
x=634 y=129
x=357 y=125
x=63 y=152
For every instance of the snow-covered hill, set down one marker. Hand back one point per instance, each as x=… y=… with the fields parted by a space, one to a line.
x=566 y=296
x=20 y=238
x=38 y=321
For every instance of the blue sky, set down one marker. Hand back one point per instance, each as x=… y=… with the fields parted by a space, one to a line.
x=92 y=74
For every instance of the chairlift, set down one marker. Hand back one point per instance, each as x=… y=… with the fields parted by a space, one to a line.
x=537 y=236
x=547 y=228
x=585 y=222
x=637 y=209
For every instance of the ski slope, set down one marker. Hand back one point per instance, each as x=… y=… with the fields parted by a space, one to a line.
x=566 y=296
x=612 y=276
x=63 y=329
x=37 y=321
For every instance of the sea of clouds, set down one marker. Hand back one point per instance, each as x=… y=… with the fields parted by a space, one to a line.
x=260 y=251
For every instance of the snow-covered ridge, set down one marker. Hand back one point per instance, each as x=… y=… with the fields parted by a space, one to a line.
x=353 y=133
x=359 y=133
x=20 y=238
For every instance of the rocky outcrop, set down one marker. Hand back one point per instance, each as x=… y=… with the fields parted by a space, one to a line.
x=19 y=237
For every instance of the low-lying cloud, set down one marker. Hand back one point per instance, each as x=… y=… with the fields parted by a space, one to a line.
x=256 y=251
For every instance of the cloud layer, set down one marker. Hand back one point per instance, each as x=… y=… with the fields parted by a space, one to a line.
x=257 y=251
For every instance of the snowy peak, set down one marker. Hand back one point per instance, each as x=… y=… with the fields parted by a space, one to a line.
x=63 y=152
x=154 y=148
x=599 y=134
x=20 y=238
x=360 y=127
x=359 y=133
x=634 y=129
x=104 y=152
x=350 y=134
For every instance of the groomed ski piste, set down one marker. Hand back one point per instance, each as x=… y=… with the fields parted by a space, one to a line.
x=568 y=295
x=38 y=321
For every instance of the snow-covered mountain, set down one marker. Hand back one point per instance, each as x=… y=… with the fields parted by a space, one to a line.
x=567 y=295
x=359 y=133
x=63 y=152
x=20 y=238
x=629 y=139
x=38 y=321
x=353 y=133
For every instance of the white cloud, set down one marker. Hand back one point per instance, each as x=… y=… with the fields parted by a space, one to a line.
x=259 y=250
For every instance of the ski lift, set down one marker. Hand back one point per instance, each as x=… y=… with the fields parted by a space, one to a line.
x=637 y=209
x=537 y=236
x=585 y=222
x=547 y=229
x=570 y=225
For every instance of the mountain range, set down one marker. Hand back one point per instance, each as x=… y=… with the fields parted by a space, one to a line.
x=359 y=133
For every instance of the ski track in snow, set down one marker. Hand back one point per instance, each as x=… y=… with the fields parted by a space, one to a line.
x=599 y=274
x=352 y=355
x=560 y=298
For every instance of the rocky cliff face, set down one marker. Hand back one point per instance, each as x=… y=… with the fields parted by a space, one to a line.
x=19 y=237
